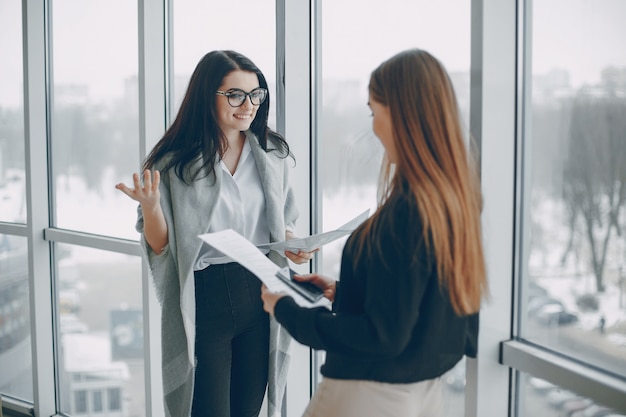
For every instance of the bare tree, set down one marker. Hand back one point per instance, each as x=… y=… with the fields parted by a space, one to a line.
x=595 y=172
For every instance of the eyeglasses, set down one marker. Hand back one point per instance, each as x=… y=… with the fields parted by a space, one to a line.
x=237 y=97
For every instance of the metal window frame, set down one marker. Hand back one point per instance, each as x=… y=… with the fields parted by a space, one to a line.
x=603 y=387
x=36 y=36
x=500 y=58
x=295 y=69
x=520 y=355
x=492 y=125
x=38 y=231
x=154 y=89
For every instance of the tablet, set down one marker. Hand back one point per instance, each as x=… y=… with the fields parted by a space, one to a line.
x=309 y=291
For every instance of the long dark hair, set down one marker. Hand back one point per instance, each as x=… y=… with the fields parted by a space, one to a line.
x=434 y=169
x=195 y=135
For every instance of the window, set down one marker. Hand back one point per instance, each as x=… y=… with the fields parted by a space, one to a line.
x=248 y=27
x=574 y=248
x=539 y=397
x=350 y=154
x=82 y=107
x=95 y=129
x=571 y=183
x=80 y=402
x=15 y=341
x=115 y=399
x=96 y=402
x=100 y=323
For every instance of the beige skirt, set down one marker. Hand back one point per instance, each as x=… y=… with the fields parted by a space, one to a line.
x=358 y=398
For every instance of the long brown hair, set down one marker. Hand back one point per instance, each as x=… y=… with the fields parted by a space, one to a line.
x=433 y=166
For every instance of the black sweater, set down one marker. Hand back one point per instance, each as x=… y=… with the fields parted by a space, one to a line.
x=390 y=322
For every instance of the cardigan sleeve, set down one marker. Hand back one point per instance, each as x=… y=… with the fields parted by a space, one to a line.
x=162 y=266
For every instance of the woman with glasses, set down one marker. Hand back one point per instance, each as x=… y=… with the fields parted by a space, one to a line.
x=412 y=277
x=218 y=166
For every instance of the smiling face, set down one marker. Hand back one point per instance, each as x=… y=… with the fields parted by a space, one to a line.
x=233 y=120
x=381 y=125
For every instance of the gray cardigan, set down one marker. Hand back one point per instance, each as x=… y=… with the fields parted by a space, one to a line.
x=188 y=210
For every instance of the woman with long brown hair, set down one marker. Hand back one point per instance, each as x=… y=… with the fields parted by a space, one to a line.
x=413 y=277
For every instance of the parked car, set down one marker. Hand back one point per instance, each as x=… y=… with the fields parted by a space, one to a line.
x=595 y=410
x=537 y=303
x=70 y=323
x=569 y=407
x=555 y=315
x=541 y=386
x=558 y=396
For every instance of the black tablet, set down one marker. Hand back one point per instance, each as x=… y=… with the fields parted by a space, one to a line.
x=305 y=289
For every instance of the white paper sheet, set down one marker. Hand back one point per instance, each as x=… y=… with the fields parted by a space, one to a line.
x=241 y=250
x=312 y=242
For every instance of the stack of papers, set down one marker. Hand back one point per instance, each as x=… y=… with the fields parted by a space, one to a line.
x=307 y=244
x=241 y=250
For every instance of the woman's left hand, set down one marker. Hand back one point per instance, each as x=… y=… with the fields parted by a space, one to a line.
x=270 y=299
x=299 y=257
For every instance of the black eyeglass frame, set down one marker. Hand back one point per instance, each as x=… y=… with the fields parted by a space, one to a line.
x=232 y=91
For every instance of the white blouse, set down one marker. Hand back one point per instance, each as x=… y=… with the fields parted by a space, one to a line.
x=241 y=207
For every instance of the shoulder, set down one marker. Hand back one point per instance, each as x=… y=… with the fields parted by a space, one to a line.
x=400 y=215
x=274 y=154
x=401 y=227
x=163 y=162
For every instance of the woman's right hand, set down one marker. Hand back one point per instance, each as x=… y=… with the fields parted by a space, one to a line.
x=147 y=193
x=326 y=284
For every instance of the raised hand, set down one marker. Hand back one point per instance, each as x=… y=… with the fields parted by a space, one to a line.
x=145 y=192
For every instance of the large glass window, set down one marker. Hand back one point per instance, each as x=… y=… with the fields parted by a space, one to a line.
x=247 y=26
x=95 y=128
x=12 y=177
x=574 y=263
x=101 y=332
x=350 y=154
x=539 y=397
x=15 y=342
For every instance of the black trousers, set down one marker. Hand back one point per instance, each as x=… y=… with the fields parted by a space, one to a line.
x=232 y=343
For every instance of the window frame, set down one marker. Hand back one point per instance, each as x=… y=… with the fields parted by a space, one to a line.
x=518 y=354
x=499 y=88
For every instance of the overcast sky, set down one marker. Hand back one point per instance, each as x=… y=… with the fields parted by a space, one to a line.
x=100 y=37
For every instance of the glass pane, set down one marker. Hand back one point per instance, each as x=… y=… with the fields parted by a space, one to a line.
x=574 y=266
x=350 y=154
x=15 y=343
x=246 y=26
x=12 y=179
x=541 y=398
x=100 y=321
x=95 y=129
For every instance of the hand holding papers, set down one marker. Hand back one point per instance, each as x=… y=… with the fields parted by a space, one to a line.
x=241 y=250
x=307 y=244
